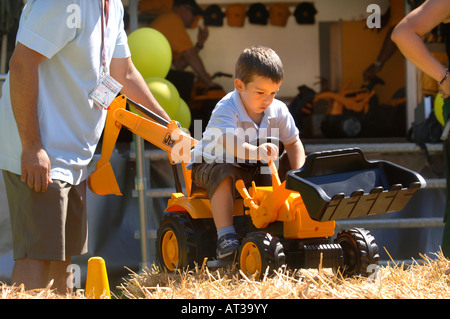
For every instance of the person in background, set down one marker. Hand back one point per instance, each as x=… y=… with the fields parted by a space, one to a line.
x=408 y=36
x=173 y=25
x=389 y=20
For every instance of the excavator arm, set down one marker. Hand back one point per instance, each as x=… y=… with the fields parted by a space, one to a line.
x=162 y=133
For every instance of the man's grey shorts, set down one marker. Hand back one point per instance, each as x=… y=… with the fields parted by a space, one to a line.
x=49 y=225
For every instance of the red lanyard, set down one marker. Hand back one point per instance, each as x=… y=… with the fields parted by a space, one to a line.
x=105 y=15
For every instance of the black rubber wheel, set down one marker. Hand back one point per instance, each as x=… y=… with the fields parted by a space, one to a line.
x=350 y=126
x=359 y=250
x=176 y=244
x=258 y=251
x=335 y=126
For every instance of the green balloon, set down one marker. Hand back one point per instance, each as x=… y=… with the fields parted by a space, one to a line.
x=166 y=94
x=438 y=105
x=150 y=52
x=183 y=115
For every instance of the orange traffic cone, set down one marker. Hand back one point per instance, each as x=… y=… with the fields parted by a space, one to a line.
x=97 y=285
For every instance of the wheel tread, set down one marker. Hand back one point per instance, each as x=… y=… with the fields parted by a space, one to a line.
x=366 y=247
x=182 y=226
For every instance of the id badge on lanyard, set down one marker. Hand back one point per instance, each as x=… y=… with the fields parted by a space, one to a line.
x=107 y=88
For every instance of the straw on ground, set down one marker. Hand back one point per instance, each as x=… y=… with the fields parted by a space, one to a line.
x=427 y=278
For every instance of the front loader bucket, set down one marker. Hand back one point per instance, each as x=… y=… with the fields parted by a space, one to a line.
x=342 y=184
x=102 y=181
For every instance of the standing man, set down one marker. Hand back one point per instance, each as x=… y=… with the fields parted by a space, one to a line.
x=50 y=127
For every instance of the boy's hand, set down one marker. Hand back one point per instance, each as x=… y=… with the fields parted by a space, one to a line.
x=267 y=152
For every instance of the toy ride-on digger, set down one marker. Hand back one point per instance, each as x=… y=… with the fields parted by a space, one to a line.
x=289 y=223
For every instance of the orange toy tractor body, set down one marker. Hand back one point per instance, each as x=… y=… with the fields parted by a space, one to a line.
x=286 y=224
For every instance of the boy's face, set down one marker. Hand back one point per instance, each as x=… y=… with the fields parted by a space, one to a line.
x=258 y=94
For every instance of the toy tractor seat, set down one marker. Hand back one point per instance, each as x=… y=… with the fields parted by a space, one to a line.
x=198 y=191
x=342 y=184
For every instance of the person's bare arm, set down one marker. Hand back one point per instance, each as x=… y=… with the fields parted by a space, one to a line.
x=24 y=86
x=193 y=59
x=233 y=144
x=407 y=35
x=296 y=154
x=134 y=86
x=387 y=51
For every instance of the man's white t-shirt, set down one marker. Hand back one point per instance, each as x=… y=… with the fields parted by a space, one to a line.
x=69 y=34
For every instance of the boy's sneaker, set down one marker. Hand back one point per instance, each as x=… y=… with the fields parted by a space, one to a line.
x=227 y=246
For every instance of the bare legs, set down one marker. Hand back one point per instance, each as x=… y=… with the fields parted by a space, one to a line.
x=36 y=274
x=222 y=204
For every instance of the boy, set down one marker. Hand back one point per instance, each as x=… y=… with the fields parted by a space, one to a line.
x=247 y=113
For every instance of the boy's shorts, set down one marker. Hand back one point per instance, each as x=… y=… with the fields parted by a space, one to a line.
x=210 y=175
x=47 y=225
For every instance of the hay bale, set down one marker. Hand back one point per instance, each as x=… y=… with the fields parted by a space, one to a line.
x=428 y=278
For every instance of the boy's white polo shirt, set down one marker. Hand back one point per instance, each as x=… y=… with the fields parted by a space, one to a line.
x=230 y=116
x=70 y=123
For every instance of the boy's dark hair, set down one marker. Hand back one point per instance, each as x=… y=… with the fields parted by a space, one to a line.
x=259 y=61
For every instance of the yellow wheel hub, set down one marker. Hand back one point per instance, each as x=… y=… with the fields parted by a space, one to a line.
x=250 y=259
x=170 y=250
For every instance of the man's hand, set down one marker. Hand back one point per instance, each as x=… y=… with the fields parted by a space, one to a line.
x=371 y=72
x=444 y=88
x=202 y=36
x=35 y=169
